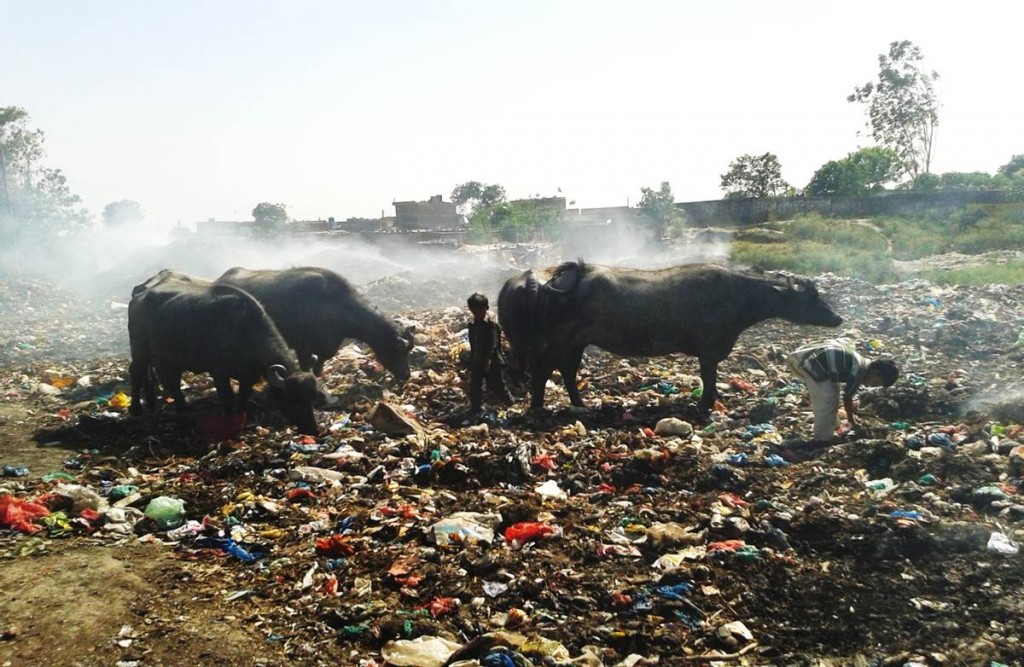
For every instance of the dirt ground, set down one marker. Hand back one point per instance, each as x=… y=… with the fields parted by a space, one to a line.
x=664 y=549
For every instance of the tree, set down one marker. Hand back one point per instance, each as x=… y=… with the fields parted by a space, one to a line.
x=959 y=181
x=1013 y=167
x=523 y=218
x=859 y=173
x=270 y=219
x=754 y=176
x=479 y=203
x=38 y=198
x=473 y=195
x=902 y=107
x=660 y=207
x=122 y=213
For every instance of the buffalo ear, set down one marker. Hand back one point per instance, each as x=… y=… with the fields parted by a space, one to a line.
x=275 y=376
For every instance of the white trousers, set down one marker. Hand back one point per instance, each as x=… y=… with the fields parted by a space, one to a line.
x=824 y=402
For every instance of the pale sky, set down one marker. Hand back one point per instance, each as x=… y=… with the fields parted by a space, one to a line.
x=337 y=108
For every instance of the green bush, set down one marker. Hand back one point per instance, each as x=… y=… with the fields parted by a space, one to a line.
x=1009 y=273
x=866 y=249
x=989 y=235
x=812 y=257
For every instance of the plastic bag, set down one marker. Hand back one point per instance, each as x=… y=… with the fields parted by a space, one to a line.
x=17 y=514
x=166 y=511
x=527 y=531
x=419 y=652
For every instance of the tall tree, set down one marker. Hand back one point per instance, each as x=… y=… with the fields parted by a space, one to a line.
x=754 y=176
x=36 y=200
x=270 y=219
x=122 y=213
x=902 y=107
x=660 y=207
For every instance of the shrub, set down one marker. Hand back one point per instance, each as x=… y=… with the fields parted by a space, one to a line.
x=1008 y=273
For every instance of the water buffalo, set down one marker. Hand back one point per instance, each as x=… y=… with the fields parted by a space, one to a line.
x=551 y=315
x=178 y=324
x=316 y=310
x=168 y=277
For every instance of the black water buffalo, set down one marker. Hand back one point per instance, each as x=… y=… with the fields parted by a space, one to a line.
x=178 y=324
x=551 y=315
x=316 y=310
x=168 y=277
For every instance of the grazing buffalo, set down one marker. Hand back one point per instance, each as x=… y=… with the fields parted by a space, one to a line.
x=178 y=324
x=316 y=310
x=551 y=315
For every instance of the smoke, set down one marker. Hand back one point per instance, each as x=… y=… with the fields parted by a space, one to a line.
x=96 y=270
x=621 y=243
x=1005 y=402
x=105 y=263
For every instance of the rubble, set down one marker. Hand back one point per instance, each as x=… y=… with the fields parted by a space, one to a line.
x=629 y=533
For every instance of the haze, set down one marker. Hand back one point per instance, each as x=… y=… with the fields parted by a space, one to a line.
x=200 y=109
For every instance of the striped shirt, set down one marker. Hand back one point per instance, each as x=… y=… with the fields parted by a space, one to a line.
x=832 y=361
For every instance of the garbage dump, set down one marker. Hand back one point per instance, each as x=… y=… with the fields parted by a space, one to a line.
x=631 y=532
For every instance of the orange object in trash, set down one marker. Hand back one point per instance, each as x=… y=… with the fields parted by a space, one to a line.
x=334 y=546
x=527 y=531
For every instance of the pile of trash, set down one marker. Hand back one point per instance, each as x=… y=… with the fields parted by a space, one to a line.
x=629 y=533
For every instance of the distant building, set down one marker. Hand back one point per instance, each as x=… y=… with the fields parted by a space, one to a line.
x=431 y=214
x=212 y=227
x=358 y=224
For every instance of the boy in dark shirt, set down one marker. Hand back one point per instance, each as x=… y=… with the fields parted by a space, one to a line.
x=484 y=354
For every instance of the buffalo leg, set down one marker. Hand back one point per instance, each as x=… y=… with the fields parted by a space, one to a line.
x=244 y=392
x=568 y=371
x=138 y=381
x=170 y=378
x=225 y=393
x=539 y=378
x=149 y=383
x=708 y=378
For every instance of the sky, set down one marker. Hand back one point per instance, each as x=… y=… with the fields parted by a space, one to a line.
x=201 y=109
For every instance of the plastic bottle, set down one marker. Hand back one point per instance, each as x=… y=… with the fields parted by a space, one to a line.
x=166 y=511
x=883 y=485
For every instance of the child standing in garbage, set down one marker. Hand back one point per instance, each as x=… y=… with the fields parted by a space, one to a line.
x=823 y=366
x=485 y=361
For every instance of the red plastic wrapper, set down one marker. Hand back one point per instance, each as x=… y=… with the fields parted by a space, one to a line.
x=545 y=461
x=334 y=546
x=732 y=500
x=740 y=384
x=17 y=514
x=90 y=515
x=300 y=493
x=726 y=545
x=527 y=531
x=405 y=511
x=442 y=606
